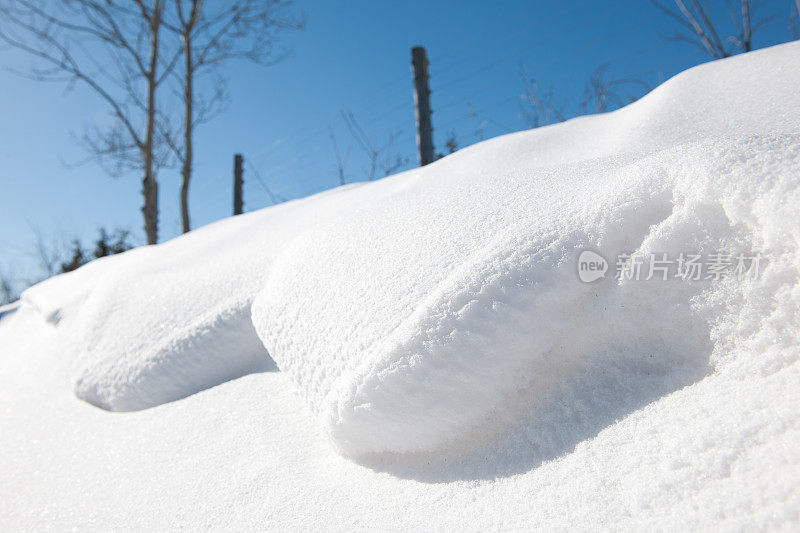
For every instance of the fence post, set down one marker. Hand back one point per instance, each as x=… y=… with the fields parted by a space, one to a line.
x=238 y=201
x=422 y=105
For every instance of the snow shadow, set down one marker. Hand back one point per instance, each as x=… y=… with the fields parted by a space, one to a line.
x=548 y=420
x=8 y=310
x=166 y=368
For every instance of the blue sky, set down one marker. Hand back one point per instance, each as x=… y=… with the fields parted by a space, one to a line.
x=354 y=55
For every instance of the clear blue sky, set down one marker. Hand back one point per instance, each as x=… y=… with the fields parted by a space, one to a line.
x=353 y=54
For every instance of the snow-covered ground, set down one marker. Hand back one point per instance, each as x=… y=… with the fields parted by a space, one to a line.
x=420 y=352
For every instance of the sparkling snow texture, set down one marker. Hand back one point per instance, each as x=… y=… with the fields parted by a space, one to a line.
x=424 y=317
x=435 y=324
x=425 y=307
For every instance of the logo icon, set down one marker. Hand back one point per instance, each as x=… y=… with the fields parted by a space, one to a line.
x=591 y=266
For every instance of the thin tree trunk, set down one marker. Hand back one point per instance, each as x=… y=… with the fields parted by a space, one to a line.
x=186 y=171
x=747 y=35
x=149 y=184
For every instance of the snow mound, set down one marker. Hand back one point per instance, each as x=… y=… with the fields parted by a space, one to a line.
x=161 y=322
x=423 y=317
x=430 y=308
x=441 y=312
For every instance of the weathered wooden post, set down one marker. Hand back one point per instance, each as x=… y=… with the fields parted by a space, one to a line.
x=422 y=105
x=238 y=182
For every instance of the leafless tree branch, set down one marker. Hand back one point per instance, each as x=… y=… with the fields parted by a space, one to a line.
x=604 y=94
x=538 y=108
x=341 y=161
x=114 y=48
x=694 y=17
x=210 y=35
x=379 y=156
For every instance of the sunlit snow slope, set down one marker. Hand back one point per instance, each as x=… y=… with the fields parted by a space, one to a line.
x=433 y=316
x=438 y=308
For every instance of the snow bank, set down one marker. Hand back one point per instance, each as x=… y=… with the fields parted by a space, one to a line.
x=442 y=310
x=418 y=320
x=419 y=311
x=161 y=322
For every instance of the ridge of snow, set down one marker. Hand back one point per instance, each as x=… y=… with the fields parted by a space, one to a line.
x=420 y=318
x=413 y=312
x=439 y=313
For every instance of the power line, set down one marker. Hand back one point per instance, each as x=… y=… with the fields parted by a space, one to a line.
x=319 y=131
x=507 y=38
x=571 y=52
x=437 y=72
x=286 y=145
x=505 y=58
x=507 y=100
x=492 y=31
x=276 y=199
x=358 y=104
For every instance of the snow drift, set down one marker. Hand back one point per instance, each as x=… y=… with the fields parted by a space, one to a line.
x=440 y=312
x=161 y=322
x=420 y=311
x=420 y=319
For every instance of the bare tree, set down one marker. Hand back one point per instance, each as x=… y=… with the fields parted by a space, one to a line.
x=274 y=198
x=537 y=107
x=211 y=33
x=341 y=161
x=606 y=94
x=695 y=17
x=113 y=47
x=56 y=255
x=480 y=121
x=794 y=16
x=380 y=156
x=46 y=254
x=451 y=143
x=106 y=244
x=8 y=287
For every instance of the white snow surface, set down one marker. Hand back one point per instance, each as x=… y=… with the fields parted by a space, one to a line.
x=440 y=363
x=159 y=323
x=430 y=313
